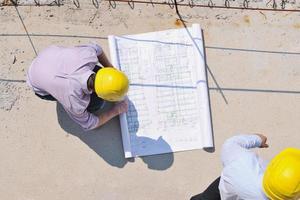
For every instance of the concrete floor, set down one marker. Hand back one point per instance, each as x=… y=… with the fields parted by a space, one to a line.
x=253 y=56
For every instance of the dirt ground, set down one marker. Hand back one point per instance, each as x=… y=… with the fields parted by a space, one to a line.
x=253 y=57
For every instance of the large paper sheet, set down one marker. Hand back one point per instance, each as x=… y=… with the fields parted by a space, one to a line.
x=168 y=98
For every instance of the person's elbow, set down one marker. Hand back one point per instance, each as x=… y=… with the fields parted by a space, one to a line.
x=231 y=141
x=90 y=126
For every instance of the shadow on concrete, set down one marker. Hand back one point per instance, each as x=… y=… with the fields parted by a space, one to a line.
x=106 y=141
x=145 y=144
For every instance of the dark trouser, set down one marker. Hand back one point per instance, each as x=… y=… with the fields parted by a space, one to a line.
x=211 y=193
x=46 y=97
x=94 y=105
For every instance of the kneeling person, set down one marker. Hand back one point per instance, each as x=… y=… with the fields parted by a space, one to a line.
x=72 y=77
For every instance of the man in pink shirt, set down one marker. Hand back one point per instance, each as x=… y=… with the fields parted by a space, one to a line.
x=72 y=77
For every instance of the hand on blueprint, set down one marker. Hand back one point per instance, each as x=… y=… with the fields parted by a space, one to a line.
x=121 y=106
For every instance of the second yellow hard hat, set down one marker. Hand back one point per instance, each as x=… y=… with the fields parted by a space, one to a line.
x=282 y=177
x=111 y=84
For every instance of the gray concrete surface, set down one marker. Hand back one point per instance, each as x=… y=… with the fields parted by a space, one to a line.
x=253 y=56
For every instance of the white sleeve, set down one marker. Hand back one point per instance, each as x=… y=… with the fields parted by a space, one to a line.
x=237 y=146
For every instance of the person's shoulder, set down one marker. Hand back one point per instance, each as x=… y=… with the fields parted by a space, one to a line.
x=85 y=54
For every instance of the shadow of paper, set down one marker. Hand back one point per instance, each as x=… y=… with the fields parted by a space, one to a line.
x=144 y=145
x=106 y=141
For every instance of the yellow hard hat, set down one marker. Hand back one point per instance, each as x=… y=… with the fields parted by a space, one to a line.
x=281 y=180
x=111 y=84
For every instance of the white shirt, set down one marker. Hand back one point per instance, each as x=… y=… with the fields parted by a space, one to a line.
x=243 y=170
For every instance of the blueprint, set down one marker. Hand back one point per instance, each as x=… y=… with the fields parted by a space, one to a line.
x=168 y=98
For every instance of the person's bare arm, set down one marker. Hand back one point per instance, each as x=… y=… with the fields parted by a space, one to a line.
x=104 y=60
x=119 y=108
x=263 y=141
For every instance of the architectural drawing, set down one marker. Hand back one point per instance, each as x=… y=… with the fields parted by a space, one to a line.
x=169 y=107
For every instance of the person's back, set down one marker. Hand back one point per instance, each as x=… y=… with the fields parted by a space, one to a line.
x=68 y=75
x=58 y=71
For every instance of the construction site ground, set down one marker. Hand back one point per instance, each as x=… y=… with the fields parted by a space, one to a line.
x=254 y=84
